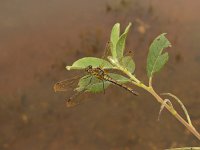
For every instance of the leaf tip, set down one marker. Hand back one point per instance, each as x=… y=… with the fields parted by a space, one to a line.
x=68 y=67
x=130 y=24
x=117 y=24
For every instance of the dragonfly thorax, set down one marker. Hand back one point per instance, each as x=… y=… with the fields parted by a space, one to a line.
x=97 y=72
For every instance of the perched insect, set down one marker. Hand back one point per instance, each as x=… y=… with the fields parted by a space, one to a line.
x=92 y=72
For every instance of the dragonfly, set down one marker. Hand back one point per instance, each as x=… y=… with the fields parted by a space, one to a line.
x=97 y=72
x=102 y=75
x=92 y=73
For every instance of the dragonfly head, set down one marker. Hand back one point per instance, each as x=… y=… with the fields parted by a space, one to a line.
x=88 y=69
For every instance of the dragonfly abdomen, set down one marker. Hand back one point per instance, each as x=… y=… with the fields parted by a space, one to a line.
x=107 y=78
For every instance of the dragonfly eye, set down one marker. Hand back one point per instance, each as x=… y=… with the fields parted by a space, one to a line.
x=89 y=67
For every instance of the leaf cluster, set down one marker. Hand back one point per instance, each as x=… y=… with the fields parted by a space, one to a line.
x=119 y=61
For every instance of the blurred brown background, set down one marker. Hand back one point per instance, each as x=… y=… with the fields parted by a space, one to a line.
x=39 y=38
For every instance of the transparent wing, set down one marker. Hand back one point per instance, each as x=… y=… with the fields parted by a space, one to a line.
x=73 y=100
x=64 y=85
x=107 y=52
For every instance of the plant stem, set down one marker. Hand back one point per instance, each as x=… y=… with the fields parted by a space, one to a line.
x=150 y=89
x=182 y=106
x=175 y=114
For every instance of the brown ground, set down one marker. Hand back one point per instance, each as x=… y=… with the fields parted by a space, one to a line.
x=39 y=38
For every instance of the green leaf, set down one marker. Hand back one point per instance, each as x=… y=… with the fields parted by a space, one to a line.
x=156 y=60
x=119 y=78
x=114 y=37
x=128 y=63
x=162 y=59
x=92 y=84
x=93 y=61
x=121 y=42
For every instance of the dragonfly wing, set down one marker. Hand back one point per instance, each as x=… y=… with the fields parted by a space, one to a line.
x=107 y=52
x=73 y=100
x=64 y=85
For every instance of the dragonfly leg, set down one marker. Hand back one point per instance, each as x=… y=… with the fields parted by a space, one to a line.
x=85 y=77
x=89 y=81
x=103 y=87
